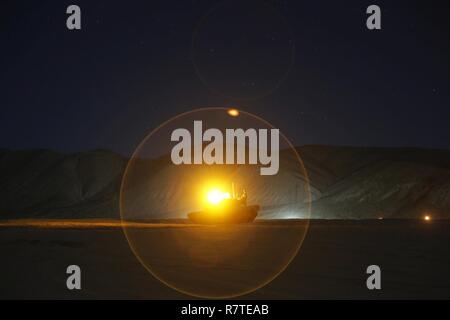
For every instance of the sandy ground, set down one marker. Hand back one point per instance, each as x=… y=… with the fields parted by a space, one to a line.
x=414 y=257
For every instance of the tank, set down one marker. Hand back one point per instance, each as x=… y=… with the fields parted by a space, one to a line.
x=230 y=211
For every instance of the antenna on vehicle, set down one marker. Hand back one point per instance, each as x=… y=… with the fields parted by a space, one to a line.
x=233 y=193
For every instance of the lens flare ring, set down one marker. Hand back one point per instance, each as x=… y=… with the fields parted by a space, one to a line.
x=208 y=253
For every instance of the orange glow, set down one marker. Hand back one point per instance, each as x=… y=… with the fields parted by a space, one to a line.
x=427 y=218
x=216 y=196
x=82 y=224
x=233 y=112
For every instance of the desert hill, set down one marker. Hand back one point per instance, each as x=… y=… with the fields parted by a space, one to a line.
x=346 y=182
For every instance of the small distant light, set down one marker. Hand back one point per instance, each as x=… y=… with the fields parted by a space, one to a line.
x=427 y=218
x=233 y=112
x=380 y=218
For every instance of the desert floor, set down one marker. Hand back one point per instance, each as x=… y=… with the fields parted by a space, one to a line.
x=414 y=257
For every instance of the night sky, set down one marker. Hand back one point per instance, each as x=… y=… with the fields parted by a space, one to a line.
x=311 y=68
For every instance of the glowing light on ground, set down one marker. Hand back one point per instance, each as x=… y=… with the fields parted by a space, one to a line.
x=427 y=218
x=291 y=215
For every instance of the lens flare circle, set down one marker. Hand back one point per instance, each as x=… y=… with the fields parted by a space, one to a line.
x=218 y=260
x=251 y=57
